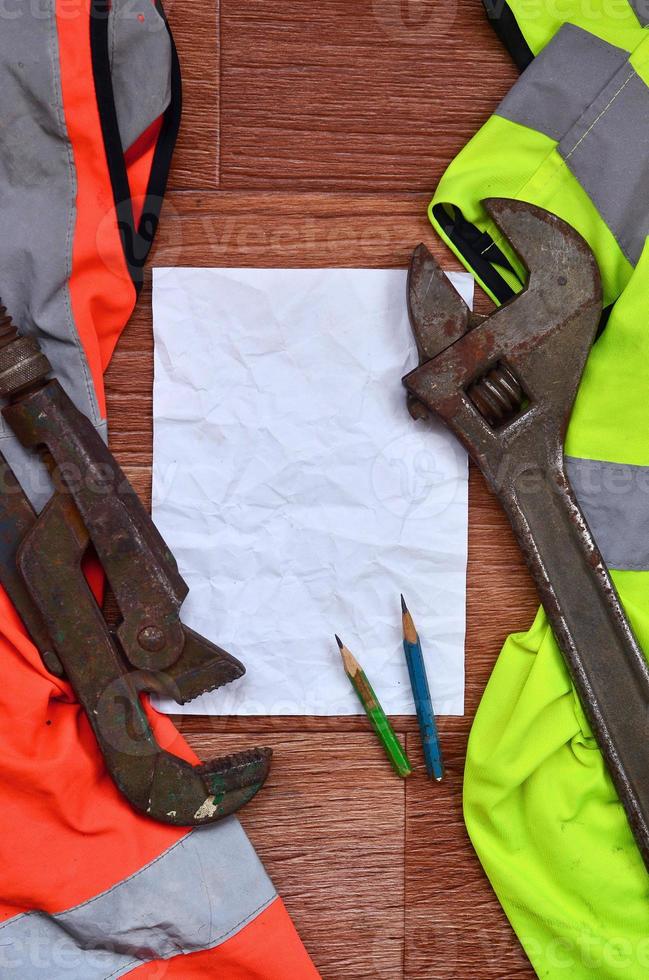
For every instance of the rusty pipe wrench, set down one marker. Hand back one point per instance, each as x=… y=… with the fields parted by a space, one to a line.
x=41 y=567
x=505 y=384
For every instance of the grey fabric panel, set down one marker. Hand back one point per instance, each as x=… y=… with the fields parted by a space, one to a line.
x=615 y=500
x=37 y=204
x=641 y=8
x=202 y=891
x=562 y=81
x=608 y=153
x=140 y=56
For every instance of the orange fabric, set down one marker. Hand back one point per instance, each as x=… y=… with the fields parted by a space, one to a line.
x=57 y=799
x=267 y=949
x=101 y=290
x=65 y=832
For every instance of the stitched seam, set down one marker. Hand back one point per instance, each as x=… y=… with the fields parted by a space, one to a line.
x=602 y=113
x=198 y=949
x=561 y=177
x=611 y=60
x=625 y=241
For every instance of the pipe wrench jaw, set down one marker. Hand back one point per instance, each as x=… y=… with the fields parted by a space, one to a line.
x=150 y=650
x=199 y=795
x=492 y=377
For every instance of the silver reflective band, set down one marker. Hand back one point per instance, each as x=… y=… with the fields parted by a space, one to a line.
x=561 y=82
x=196 y=895
x=615 y=500
x=608 y=153
x=38 y=188
x=585 y=94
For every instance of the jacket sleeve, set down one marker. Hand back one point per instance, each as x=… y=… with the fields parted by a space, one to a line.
x=91 y=888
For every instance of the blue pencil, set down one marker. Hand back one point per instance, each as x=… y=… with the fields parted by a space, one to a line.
x=421 y=693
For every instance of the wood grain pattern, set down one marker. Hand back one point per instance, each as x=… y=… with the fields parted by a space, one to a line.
x=454 y=924
x=313 y=135
x=337 y=856
x=196 y=30
x=375 y=94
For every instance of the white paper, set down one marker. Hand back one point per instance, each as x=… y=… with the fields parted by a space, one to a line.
x=297 y=493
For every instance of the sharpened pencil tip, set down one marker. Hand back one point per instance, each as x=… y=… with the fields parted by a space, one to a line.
x=339 y=641
x=409 y=629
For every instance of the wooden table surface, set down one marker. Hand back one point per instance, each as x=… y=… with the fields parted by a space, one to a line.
x=313 y=135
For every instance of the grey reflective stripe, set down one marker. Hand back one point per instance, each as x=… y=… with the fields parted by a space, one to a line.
x=562 y=81
x=37 y=204
x=641 y=8
x=196 y=895
x=608 y=153
x=585 y=94
x=140 y=59
x=615 y=501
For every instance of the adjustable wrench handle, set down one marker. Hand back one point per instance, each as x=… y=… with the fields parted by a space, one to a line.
x=605 y=661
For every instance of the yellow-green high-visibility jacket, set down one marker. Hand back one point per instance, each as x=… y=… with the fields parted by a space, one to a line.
x=573 y=137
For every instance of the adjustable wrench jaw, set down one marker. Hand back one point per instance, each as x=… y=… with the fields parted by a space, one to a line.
x=506 y=386
x=438 y=314
x=496 y=380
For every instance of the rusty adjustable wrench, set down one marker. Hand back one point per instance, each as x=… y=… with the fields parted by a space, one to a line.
x=505 y=384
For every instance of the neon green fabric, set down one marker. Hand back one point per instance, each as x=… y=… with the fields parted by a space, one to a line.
x=540 y=169
x=614 y=21
x=539 y=805
x=534 y=172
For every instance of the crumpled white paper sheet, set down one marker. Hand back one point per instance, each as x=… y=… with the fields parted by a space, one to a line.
x=296 y=492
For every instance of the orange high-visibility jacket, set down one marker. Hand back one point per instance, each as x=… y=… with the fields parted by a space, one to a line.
x=89 y=889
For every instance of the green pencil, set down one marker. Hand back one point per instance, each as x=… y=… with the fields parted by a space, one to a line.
x=375 y=713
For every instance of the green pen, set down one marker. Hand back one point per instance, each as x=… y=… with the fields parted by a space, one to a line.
x=375 y=713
